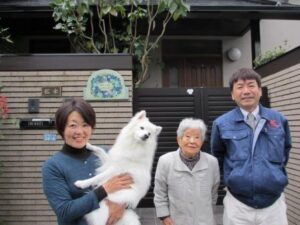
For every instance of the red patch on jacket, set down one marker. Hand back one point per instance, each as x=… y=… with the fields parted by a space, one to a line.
x=273 y=123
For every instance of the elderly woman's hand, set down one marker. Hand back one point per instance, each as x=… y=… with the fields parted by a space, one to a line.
x=168 y=221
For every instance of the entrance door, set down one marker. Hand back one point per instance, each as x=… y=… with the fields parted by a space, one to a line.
x=192 y=72
x=192 y=63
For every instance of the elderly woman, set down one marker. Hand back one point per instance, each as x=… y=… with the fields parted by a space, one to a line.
x=187 y=180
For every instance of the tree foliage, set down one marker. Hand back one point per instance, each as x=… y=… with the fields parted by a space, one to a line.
x=112 y=26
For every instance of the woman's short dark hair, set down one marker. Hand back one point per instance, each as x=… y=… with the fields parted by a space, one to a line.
x=75 y=104
x=244 y=74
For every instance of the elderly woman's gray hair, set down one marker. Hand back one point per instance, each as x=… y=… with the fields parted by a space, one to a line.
x=191 y=123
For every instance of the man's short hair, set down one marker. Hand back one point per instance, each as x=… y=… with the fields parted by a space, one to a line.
x=244 y=74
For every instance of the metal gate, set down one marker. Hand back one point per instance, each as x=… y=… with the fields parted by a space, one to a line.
x=166 y=107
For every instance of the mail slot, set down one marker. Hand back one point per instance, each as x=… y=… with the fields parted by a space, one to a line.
x=37 y=123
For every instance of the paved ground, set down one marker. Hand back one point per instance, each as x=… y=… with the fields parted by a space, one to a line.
x=148 y=216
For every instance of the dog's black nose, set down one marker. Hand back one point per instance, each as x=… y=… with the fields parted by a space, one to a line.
x=145 y=137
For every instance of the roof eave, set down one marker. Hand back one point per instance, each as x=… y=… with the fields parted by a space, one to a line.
x=242 y=12
x=249 y=12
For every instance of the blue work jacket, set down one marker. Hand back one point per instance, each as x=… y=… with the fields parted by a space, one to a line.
x=253 y=163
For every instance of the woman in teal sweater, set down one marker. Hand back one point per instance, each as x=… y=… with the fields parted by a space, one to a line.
x=75 y=121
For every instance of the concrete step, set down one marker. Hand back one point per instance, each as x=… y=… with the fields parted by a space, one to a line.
x=148 y=216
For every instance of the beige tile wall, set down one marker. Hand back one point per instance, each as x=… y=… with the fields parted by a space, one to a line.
x=284 y=94
x=24 y=151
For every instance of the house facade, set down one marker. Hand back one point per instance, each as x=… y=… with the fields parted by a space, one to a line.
x=202 y=50
x=197 y=46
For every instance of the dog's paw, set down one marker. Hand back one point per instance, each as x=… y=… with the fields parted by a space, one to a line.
x=132 y=204
x=80 y=184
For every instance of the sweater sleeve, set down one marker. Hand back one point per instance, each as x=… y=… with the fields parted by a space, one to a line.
x=100 y=193
x=56 y=188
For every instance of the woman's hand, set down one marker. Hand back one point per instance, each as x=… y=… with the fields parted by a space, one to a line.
x=115 y=212
x=168 y=221
x=117 y=183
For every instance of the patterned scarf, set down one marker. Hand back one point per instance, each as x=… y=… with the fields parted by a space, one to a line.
x=189 y=162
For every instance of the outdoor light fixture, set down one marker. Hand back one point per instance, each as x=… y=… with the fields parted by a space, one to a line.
x=234 y=54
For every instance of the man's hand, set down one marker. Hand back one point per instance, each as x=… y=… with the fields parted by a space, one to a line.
x=115 y=212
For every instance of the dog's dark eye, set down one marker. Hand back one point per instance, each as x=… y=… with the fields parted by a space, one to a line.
x=142 y=128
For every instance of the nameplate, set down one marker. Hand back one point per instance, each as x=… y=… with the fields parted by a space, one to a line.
x=51 y=91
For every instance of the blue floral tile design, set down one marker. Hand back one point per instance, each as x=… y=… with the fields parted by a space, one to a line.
x=105 y=85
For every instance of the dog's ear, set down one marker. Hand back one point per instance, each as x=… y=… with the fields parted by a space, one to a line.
x=136 y=118
x=140 y=115
x=158 y=130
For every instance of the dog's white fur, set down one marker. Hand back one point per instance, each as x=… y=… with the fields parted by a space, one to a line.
x=132 y=153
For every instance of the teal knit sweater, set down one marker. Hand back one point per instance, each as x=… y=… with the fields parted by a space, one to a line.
x=60 y=172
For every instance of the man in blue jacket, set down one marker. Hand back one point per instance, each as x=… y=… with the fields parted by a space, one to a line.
x=252 y=144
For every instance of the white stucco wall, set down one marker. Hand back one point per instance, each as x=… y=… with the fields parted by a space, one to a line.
x=279 y=32
x=296 y=2
x=244 y=44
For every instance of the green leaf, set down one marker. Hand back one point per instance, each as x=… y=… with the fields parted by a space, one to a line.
x=125 y=50
x=58 y=26
x=176 y=15
x=113 y=12
x=115 y=50
x=106 y=10
x=173 y=7
x=162 y=7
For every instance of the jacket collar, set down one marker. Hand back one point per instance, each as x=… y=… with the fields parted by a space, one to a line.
x=263 y=112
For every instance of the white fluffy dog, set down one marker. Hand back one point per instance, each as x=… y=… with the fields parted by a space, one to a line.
x=132 y=153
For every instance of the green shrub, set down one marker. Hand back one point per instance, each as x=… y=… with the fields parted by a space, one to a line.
x=269 y=56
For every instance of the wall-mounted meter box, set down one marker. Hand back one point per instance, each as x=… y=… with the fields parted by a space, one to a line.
x=36 y=123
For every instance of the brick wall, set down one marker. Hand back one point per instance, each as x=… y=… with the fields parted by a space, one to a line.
x=284 y=94
x=23 y=151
